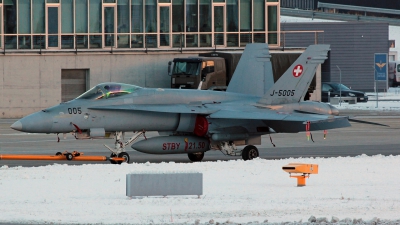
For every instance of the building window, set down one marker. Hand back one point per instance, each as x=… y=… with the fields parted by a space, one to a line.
x=272 y=25
x=38 y=13
x=192 y=26
x=232 y=16
x=81 y=16
x=177 y=23
x=67 y=24
x=10 y=17
x=67 y=17
x=205 y=23
x=137 y=21
x=98 y=24
x=95 y=21
x=245 y=15
x=151 y=16
x=24 y=17
x=137 y=16
x=123 y=24
x=151 y=24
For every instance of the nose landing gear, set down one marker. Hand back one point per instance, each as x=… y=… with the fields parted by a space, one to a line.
x=119 y=149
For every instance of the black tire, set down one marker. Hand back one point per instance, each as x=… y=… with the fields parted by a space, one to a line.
x=68 y=156
x=125 y=156
x=196 y=157
x=250 y=152
x=112 y=156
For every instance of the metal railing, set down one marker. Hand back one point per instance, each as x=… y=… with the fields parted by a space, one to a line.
x=150 y=42
x=337 y=16
x=301 y=39
x=358 y=8
x=298 y=4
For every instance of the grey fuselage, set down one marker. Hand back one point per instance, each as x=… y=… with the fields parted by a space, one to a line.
x=61 y=118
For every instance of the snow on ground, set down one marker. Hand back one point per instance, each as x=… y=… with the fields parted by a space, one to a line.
x=387 y=101
x=363 y=188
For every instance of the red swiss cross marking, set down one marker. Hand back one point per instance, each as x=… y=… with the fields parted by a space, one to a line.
x=297 y=70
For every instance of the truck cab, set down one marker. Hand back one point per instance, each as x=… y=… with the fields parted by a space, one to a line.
x=198 y=73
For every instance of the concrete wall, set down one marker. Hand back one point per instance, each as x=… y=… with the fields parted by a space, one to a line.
x=31 y=82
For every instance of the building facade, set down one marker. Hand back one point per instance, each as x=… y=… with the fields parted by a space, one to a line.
x=53 y=50
x=353 y=46
x=136 y=24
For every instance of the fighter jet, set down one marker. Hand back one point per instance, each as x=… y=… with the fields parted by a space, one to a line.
x=193 y=122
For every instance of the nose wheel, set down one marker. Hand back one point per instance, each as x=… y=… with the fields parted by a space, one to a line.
x=120 y=155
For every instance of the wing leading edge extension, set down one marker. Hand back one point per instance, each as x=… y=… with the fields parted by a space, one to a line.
x=181 y=108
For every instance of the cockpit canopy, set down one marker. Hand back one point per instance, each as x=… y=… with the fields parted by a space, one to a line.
x=108 y=90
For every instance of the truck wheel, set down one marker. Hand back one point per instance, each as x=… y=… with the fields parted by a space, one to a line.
x=196 y=157
x=249 y=152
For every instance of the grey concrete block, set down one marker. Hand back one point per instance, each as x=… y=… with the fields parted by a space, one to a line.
x=154 y=184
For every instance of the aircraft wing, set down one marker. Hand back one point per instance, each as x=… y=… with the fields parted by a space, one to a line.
x=178 y=108
x=292 y=122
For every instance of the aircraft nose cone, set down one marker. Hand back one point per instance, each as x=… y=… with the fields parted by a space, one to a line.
x=17 y=126
x=38 y=122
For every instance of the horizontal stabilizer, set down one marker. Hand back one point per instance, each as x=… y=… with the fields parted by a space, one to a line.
x=366 y=122
x=297 y=123
x=190 y=109
x=286 y=122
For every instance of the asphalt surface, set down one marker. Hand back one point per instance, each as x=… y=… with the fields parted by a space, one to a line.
x=356 y=140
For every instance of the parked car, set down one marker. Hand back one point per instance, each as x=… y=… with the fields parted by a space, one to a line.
x=336 y=88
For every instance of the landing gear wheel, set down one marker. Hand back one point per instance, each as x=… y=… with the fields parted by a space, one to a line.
x=249 y=152
x=68 y=156
x=112 y=156
x=196 y=157
x=125 y=156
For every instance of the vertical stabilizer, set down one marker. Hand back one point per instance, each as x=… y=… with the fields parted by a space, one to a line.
x=253 y=74
x=293 y=84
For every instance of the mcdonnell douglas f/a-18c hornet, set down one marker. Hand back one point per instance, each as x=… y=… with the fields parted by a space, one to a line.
x=195 y=121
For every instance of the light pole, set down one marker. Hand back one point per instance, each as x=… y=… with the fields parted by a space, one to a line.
x=340 y=86
x=375 y=87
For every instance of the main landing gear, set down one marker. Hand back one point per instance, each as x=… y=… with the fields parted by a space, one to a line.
x=196 y=157
x=248 y=153
x=119 y=148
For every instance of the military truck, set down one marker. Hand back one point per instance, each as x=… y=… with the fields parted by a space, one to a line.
x=207 y=71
